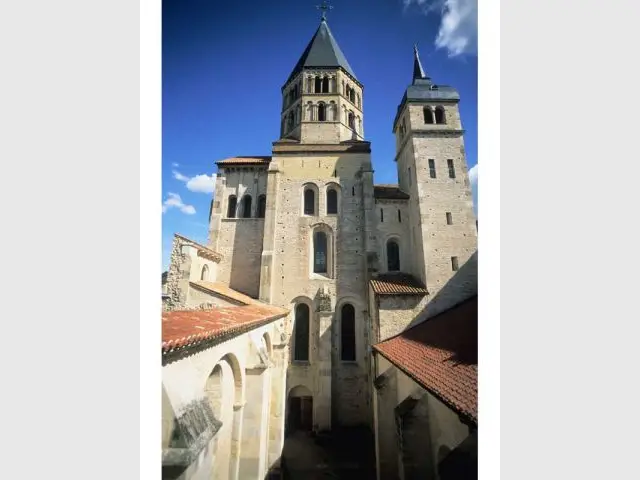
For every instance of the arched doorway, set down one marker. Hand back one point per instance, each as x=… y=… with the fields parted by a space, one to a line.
x=299 y=410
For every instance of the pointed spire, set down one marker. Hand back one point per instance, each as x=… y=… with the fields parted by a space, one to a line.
x=418 y=72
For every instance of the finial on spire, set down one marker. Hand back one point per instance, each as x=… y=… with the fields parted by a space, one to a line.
x=324 y=7
x=418 y=71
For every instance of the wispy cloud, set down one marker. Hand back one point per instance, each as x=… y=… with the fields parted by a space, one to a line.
x=200 y=183
x=458 y=32
x=174 y=201
x=175 y=164
x=473 y=175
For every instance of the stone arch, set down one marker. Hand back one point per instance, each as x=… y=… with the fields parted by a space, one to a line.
x=427 y=113
x=322 y=112
x=440 y=115
x=310 y=200
x=246 y=206
x=232 y=205
x=299 y=409
x=393 y=238
x=204 y=274
x=333 y=200
x=321 y=250
x=332 y=111
x=359 y=308
x=238 y=375
x=351 y=120
x=309 y=111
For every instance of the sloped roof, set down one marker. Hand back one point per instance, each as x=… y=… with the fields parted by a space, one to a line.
x=181 y=328
x=322 y=51
x=441 y=355
x=203 y=251
x=397 y=284
x=249 y=160
x=224 y=290
x=389 y=192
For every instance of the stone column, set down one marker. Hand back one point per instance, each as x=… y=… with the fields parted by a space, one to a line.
x=254 y=425
x=371 y=239
x=236 y=437
x=322 y=400
x=216 y=212
x=277 y=406
x=268 y=242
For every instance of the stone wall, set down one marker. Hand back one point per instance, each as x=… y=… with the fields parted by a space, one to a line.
x=391 y=226
x=293 y=281
x=397 y=312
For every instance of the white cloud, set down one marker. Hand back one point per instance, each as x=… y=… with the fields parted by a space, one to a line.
x=175 y=164
x=174 y=201
x=200 y=183
x=458 y=32
x=473 y=175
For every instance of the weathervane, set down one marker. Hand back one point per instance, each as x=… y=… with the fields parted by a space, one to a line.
x=324 y=7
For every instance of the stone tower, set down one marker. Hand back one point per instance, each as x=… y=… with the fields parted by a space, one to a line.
x=432 y=169
x=314 y=242
x=322 y=99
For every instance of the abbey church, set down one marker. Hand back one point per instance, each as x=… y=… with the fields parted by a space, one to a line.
x=324 y=303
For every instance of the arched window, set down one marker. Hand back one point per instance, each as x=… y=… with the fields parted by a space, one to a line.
x=358 y=100
x=319 y=252
x=440 y=115
x=231 y=209
x=290 y=121
x=351 y=121
x=246 y=206
x=428 y=115
x=309 y=111
x=262 y=206
x=332 y=201
x=325 y=85
x=393 y=256
x=318 y=85
x=352 y=95
x=322 y=112
x=205 y=273
x=359 y=125
x=295 y=92
x=332 y=111
x=301 y=333
x=348 y=333
x=309 y=202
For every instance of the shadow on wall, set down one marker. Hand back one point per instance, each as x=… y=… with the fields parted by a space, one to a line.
x=244 y=274
x=462 y=286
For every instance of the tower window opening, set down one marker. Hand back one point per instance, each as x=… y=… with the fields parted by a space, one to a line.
x=452 y=170
x=381 y=215
x=246 y=206
x=432 y=168
x=428 y=115
x=454 y=263
x=325 y=85
x=351 y=121
x=231 y=208
x=301 y=333
x=262 y=206
x=320 y=252
x=322 y=112
x=318 y=85
x=440 y=118
x=399 y=216
x=348 y=333
x=449 y=219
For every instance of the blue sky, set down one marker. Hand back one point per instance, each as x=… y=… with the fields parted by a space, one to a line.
x=216 y=55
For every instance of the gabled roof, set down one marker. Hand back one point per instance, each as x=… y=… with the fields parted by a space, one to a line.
x=441 y=355
x=222 y=289
x=322 y=51
x=397 y=284
x=203 y=251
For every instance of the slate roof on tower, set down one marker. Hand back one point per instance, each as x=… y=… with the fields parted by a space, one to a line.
x=322 y=51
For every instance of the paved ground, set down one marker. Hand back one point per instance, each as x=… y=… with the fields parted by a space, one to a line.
x=346 y=454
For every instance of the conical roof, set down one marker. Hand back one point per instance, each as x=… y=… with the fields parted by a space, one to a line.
x=322 y=51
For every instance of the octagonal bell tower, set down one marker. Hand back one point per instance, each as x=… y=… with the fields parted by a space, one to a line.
x=322 y=98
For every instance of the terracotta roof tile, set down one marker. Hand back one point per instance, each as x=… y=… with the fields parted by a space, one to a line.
x=389 y=192
x=256 y=160
x=189 y=327
x=441 y=354
x=225 y=291
x=202 y=250
x=397 y=284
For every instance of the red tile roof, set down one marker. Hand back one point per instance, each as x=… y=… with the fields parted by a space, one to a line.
x=389 y=192
x=203 y=251
x=441 y=354
x=224 y=290
x=397 y=284
x=189 y=327
x=256 y=160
